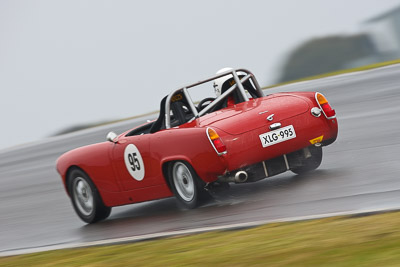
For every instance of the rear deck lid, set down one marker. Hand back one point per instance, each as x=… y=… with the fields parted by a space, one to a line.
x=253 y=114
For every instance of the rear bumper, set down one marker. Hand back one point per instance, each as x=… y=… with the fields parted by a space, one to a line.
x=267 y=168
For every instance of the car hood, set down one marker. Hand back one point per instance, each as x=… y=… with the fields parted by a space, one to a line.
x=253 y=114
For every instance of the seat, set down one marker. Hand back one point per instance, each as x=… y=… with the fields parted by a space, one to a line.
x=160 y=122
x=180 y=110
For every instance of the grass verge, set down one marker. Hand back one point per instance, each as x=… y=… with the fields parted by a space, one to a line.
x=338 y=241
x=366 y=67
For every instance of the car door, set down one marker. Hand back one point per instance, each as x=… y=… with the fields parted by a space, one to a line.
x=132 y=162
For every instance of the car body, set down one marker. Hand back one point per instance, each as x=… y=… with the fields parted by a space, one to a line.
x=190 y=149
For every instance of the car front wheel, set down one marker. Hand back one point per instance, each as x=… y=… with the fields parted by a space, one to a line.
x=85 y=198
x=187 y=187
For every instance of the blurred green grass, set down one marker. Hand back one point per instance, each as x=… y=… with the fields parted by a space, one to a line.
x=153 y=113
x=338 y=241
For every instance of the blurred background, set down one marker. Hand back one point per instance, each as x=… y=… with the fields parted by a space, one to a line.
x=69 y=64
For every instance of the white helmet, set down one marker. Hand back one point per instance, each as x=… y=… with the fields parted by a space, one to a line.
x=218 y=83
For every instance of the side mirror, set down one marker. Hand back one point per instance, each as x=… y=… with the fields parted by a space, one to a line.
x=111 y=137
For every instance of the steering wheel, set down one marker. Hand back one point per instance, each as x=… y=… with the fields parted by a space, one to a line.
x=204 y=103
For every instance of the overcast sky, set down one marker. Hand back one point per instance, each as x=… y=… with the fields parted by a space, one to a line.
x=69 y=62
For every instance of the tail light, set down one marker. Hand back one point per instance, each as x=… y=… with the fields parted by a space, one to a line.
x=328 y=111
x=216 y=142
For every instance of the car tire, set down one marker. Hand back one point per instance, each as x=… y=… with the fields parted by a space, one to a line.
x=311 y=163
x=85 y=198
x=187 y=187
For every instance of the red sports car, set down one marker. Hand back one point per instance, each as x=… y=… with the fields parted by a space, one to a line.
x=238 y=136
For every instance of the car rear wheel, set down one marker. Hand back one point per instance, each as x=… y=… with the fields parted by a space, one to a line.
x=311 y=163
x=85 y=198
x=188 y=188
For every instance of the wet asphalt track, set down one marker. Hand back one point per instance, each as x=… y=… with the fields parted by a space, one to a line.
x=360 y=171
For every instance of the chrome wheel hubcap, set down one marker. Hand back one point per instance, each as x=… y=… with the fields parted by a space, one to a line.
x=183 y=181
x=83 y=196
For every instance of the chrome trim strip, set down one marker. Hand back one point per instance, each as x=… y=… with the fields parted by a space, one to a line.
x=265 y=169
x=286 y=162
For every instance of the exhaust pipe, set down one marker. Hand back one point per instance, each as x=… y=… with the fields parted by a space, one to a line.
x=238 y=177
x=241 y=177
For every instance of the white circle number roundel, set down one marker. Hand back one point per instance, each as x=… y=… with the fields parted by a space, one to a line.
x=134 y=162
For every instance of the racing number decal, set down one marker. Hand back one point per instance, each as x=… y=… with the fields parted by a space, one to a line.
x=134 y=162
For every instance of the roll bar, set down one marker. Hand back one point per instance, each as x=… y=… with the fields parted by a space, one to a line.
x=238 y=85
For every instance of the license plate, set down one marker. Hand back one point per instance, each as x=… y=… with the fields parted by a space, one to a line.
x=277 y=136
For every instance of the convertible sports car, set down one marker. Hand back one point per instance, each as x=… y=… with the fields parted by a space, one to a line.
x=239 y=136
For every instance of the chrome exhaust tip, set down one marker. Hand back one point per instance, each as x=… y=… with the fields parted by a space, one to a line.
x=241 y=177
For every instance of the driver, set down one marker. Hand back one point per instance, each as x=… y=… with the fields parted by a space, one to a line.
x=220 y=81
x=223 y=83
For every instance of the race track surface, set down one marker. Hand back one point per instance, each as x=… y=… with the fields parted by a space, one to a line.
x=359 y=171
